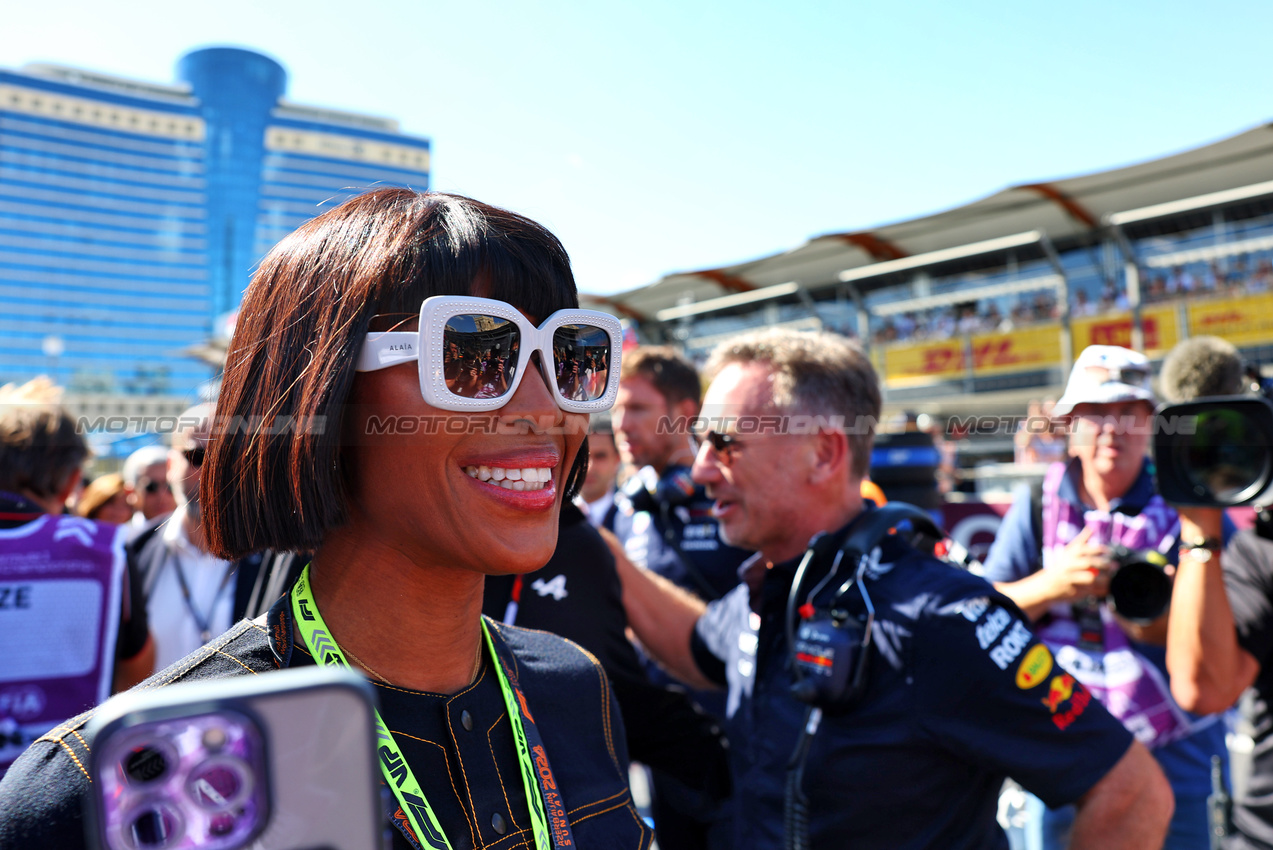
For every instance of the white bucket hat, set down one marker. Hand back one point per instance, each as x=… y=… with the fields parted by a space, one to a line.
x=1106 y=374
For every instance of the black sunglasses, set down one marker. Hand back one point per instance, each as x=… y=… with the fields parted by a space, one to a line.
x=152 y=487
x=194 y=456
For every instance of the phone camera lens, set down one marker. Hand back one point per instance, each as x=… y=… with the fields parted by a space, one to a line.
x=221 y=825
x=145 y=764
x=154 y=826
x=215 y=785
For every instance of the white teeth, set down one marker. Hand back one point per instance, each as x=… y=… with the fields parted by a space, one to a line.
x=529 y=478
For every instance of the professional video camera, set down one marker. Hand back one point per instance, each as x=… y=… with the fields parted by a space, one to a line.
x=1216 y=452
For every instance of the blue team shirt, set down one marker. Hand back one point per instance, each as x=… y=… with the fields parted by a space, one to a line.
x=960 y=695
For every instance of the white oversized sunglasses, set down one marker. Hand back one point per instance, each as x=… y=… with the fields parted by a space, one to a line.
x=472 y=354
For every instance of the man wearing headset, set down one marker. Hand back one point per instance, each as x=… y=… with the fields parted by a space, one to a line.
x=957 y=692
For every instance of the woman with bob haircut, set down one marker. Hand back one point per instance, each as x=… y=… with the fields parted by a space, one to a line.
x=343 y=429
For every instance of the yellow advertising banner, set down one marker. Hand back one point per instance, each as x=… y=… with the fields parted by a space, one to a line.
x=992 y=354
x=1242 y=321
x=1162 y=330
x=1016 y=351
x=926 y=361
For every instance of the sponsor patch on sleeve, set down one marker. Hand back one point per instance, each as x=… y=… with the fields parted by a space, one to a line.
x=1034 y=668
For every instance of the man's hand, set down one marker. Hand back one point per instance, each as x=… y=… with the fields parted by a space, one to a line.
x=1209 y=670
x=661 y=615
x=1129 y=809
x=1082 y=570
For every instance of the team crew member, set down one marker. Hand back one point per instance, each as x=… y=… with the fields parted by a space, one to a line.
x=1056 y=563
x=345 y=318
x=664 y=519
x=956 y=694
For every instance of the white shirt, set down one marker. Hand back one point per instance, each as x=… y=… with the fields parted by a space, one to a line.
x=174 y=627
x=596 y=511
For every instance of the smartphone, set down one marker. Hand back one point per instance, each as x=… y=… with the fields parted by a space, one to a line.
x=279 y=761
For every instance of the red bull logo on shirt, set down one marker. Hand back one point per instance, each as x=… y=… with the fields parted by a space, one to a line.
x=1063 y=690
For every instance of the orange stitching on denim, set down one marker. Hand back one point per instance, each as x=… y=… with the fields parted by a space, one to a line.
x=602 y=812
x=87 y=748
x=236 y=661
x=74 y=758
x=491 y=745
x=619 y=793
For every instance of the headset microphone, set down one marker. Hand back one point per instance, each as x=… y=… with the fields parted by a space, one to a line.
x=829 y=646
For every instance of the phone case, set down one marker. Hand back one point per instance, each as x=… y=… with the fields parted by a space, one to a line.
x=278 y=761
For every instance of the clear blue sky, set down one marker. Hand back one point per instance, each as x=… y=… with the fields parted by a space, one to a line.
x=664 y=136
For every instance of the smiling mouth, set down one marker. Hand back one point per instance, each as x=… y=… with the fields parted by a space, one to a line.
x=524 y=479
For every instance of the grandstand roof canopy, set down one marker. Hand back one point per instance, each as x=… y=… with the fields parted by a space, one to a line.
x=1061 y=209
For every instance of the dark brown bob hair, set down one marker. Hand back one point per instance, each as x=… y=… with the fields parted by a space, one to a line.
x=273 y=480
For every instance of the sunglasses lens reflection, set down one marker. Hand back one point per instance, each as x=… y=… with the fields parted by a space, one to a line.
x=581 y=361
x=479 y=355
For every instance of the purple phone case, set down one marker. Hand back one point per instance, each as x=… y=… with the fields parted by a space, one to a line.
x=280 y=761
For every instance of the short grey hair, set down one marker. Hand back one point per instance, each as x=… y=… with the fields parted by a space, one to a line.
x=141 y=460
x=814 y=373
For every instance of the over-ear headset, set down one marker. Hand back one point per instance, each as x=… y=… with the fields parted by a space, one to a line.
x=829 y=646
x=650 y=492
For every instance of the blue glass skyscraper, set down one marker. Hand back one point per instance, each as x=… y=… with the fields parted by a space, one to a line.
x=132 y=213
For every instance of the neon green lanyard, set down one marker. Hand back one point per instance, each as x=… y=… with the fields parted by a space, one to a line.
x=397 y=773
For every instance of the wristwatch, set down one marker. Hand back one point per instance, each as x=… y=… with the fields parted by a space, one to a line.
x=1209 y=543
x=1201 y=551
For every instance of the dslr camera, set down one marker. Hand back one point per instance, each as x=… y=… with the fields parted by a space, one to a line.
x=1139 y=587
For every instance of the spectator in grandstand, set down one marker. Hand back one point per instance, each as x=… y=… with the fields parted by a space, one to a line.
x=955 y=692
x=1052 y=556
x=146 y=486
x=71 y=620
x=1181 y=281
x=1082 y=306
x=105 y=501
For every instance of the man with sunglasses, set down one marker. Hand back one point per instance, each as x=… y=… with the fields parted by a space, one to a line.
x=191 y=595
x=1053 y=555
x=956 y=693
x=146 y=487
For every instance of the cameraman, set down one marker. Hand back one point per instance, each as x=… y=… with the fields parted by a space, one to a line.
x=1055 y=558
x=1223 y=663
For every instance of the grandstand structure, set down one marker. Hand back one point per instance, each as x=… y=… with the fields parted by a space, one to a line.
x=991 y=300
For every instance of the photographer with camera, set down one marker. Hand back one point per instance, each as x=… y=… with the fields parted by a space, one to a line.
x=1212 y=671
x=876 y=696
x=1088 y=561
